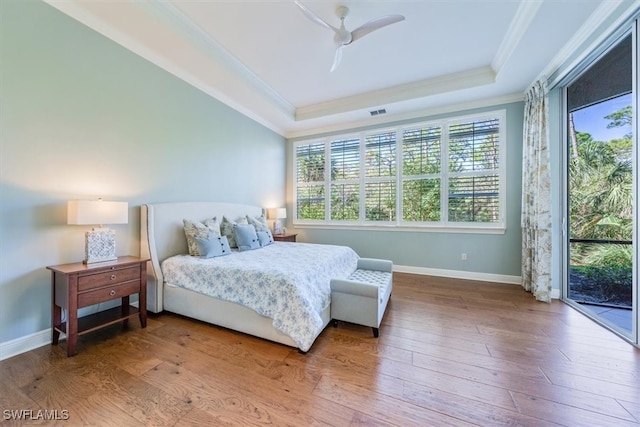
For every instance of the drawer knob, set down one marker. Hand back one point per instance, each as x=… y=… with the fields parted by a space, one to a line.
x=112 y=292
x=113 y=277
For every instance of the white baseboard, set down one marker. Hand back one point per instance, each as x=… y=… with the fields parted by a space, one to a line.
x=457 y=274
x=467 y=275
x=29 y=342
x=23 y=344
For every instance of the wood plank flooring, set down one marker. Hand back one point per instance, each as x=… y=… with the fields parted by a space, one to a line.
x=450 y=353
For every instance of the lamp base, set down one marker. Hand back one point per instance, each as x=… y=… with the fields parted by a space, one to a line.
x=100 y=245
x=99 y=260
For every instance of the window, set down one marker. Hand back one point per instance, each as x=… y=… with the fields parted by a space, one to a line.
x=380 y=177
x=474 y=183
x=310 y=181
x=445 y=174
x=345 y=179
x=421 y=156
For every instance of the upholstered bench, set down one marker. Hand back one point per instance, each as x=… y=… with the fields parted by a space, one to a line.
x=362 y=297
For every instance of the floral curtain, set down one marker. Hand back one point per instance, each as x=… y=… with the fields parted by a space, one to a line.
x=536 y=195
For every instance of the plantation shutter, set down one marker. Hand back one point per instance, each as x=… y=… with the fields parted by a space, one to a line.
x=421 y=181
x=310 y=178
x=345 y=179
x=380 y=177
x=474 y=161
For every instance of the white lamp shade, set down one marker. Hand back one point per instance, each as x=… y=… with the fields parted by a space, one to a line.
x=97 y=212
x=277 y=213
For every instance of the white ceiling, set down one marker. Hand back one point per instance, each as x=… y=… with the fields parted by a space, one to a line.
x=270 y=62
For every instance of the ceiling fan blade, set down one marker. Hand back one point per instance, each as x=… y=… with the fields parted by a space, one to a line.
x=337 y=58
x=315 y=18
x=373 y=25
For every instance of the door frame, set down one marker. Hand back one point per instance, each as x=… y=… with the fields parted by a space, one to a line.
x=629 y=29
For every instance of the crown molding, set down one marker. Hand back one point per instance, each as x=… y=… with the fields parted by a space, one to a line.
x=181 y=24
x=412 y=115
x=517 y=28
x=76 y=11
x=447 y=83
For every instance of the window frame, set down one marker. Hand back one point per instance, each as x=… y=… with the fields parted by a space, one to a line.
x=399 y=224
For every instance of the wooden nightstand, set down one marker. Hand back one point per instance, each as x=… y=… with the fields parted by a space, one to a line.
x=284 y=237
x=78 y=285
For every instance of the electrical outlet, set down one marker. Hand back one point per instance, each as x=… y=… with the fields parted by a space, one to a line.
x=463 y=256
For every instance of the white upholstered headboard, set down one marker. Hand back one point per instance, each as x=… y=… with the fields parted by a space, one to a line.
x=162 y=235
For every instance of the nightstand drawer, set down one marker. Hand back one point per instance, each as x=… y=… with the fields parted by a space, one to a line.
x=110 y=277
x=109 y=293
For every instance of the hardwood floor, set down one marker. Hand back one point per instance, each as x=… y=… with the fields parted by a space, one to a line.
x=450 y=352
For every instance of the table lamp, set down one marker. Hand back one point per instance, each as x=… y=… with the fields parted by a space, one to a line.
x=100 y=243
x=276 y=214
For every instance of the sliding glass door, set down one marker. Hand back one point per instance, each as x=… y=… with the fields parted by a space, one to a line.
x=601 y=206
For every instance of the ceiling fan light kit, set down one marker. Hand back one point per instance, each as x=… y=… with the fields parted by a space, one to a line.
x=343 y=37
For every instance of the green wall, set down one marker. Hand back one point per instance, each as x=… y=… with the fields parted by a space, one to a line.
x=490 y=254
x=82 y=117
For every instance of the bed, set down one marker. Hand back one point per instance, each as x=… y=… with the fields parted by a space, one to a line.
x=294 y=276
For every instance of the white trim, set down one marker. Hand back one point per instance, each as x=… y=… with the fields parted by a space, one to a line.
x=595 y=20
x=466 y=275
x=32 y=341
x=180 y=23
x=517 y=28
x=423 y=88
x=92 y=21
x=369 y=226
x=412 y=115
x=458 y=274
x=23 y=344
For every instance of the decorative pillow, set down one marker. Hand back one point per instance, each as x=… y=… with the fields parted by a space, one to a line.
x=246 y=237
x=265 y=237
x=213 y=246
x=226 y=228
x=193 y=229
x=259 y=222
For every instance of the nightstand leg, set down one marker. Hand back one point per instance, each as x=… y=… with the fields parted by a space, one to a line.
x=142 y=297
x=125 y=311
x=56 y=312
x=72 y=315
x=56 y=319
x=72 y=332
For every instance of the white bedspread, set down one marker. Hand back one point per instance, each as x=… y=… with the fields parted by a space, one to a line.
x=287 y=282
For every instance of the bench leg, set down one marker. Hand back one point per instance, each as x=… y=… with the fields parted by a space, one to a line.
x=376 y=332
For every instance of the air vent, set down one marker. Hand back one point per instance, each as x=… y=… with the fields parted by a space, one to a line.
x=378 y=112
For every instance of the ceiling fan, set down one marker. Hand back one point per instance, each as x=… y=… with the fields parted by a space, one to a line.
x=342 y=36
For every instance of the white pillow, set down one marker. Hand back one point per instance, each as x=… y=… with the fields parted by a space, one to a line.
x=193 y=229
x=214 y=246
x=246 y=237
x=259 y=222
x=226 y=228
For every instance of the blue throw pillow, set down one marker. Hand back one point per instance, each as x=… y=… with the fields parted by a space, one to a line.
x=265 y=237
x=245 y=237
x=213 y=246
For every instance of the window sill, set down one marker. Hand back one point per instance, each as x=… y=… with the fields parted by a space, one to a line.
x=498 y=229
